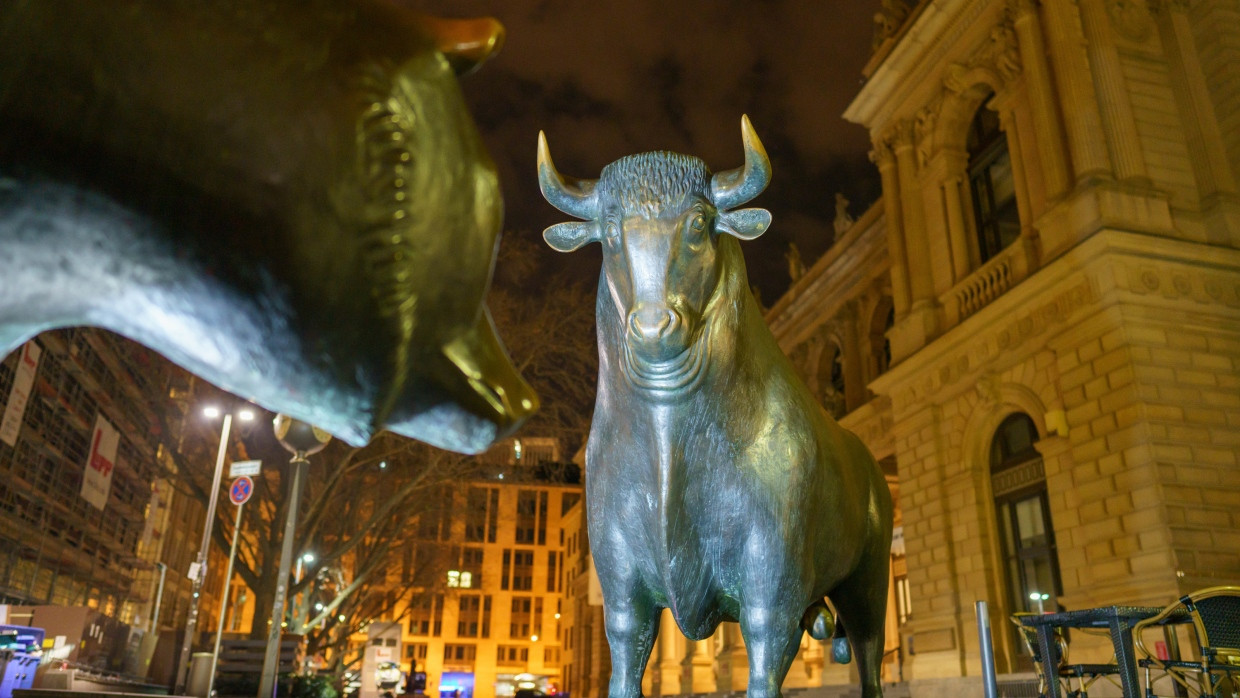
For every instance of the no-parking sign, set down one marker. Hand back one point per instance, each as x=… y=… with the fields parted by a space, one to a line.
x=240 y=490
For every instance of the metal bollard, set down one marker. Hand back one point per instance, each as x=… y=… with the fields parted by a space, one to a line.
x=989 y=687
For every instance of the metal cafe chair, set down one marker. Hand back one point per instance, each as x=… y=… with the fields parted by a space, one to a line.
x=1216 y=621
x=1066 y=673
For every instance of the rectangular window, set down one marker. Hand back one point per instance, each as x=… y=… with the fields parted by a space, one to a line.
x=538 y=613
x=522 y=570
x=469 y=616
x=518 y=570
x=567 y=500
x=435 y=522
x=415 y=651
x=527 y=512
x=542 y=518
x=512 y=655
x=520 y=621
x=459 y=654
x=476 y=514
x=471 y=565
x=421 y=613
x=493 y=518
x=551 y=571
x=437 y=618
x=507 y=570
x=486 y=616
x=551 y=656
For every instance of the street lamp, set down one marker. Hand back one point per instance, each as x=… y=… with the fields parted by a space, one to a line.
x=307 y=558
x=198 y=571
x=1039 y=598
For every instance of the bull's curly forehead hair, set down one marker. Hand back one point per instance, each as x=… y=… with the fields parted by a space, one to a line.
x=649 y=183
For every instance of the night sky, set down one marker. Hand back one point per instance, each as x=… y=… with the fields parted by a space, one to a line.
x=608 y=79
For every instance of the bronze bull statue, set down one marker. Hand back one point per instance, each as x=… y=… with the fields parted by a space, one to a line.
x=286 y=197
x=717 y=487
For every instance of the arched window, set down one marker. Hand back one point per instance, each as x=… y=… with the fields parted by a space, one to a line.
x=1024 y=517
x=992 y=184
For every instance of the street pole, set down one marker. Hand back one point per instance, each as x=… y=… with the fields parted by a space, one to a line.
x=159 y=596
x=271 y=660
x=191 y=625
x=219 y=627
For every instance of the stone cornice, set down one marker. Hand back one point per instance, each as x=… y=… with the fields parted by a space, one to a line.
x=921 y=49
x=1108 y=265
x=857 y=256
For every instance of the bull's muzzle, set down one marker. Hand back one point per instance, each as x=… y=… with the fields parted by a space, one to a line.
x=656 y=331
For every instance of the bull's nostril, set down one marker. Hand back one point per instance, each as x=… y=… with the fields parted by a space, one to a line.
x=652 y=323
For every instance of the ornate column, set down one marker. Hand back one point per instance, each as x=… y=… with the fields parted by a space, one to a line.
x=854 y=375
x=1076 y=91
x=670 y=655
x=1119 y=124
x=1201 y=129
x=1049 y=133
x=882 y=156
x=920 y=279
x=1020 y=172
x=954 y=206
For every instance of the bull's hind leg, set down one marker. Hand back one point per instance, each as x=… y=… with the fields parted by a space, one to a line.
x=772 y=638
x=632 y=626
x=861 y=602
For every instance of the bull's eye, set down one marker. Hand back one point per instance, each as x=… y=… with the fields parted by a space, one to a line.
x=612 y=230
x=699 y=223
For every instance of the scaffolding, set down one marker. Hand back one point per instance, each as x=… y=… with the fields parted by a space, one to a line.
x=55 y=547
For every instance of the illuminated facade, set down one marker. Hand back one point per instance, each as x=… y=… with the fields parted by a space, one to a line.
x=1039 y=323
x=496 y=625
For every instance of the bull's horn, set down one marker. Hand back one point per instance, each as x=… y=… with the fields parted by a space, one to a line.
x=733 y=188
x=466 y=43
x=576 y=197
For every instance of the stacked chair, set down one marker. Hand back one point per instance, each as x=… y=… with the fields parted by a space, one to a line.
x=1216 y=621
x=1083 y=675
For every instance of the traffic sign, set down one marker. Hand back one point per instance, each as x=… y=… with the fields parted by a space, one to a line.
x=244 y=467
x=241 y=490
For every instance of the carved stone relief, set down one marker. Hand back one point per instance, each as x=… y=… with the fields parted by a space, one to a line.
x=1131 y=18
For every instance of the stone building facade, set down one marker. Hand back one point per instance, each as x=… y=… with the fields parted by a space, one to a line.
x=1039 y=323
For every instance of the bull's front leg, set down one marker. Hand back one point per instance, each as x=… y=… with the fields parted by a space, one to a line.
x=632 y=626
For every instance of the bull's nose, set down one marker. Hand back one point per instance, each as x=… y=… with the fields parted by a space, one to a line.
x=652 y=322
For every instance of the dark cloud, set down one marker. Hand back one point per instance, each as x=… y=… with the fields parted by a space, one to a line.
x=607 y=79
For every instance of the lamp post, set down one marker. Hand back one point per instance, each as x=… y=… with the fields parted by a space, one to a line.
x=301 y=440
x=199 y=568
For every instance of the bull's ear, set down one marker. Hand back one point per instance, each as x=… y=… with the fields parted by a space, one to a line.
x=566 y=237
x=745 y=223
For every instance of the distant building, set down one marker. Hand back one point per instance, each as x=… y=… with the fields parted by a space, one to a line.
x=495 y=625
x=79 y=472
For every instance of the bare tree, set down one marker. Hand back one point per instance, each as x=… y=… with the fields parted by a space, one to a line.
x=547 y=321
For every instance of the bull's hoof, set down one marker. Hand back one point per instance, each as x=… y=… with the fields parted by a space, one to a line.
x=840 y=650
